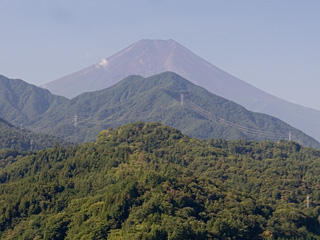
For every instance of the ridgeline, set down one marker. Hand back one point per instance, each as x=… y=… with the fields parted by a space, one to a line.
x=167 y=98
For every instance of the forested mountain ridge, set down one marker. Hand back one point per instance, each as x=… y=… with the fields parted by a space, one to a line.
x=166 y=98
x=12 y=137
x=149 y=181
x=21 y=102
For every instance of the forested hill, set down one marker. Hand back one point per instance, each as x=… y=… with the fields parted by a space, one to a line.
x=167 y=98
x=12 y=137
x=149 y=181
x=21 y=102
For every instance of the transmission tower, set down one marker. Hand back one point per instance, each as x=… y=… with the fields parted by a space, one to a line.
x=181 y=99
x=290 y=137
x=75 y=120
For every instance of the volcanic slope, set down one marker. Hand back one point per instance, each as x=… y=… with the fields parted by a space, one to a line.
x=167 y=98
x=149 y=57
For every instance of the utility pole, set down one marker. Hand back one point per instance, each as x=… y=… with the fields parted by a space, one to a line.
x=308 y=201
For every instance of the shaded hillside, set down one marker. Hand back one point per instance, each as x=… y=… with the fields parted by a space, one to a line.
x=158 y=98
x=24 y=140
x=150 y=57
x=148 y=181
x=21 y=102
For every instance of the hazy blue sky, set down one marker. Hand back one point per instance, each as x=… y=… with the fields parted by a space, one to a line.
x=271 y=44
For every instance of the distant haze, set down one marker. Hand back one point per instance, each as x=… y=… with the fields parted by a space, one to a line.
x=271 y=44
x=149 y=57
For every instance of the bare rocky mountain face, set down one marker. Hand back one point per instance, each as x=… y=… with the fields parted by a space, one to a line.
x=149 y=57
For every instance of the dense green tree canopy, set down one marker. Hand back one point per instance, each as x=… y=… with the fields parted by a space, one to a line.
x=12 y=137
x=149 y=181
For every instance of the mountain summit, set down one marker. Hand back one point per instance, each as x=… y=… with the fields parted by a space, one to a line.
x=147 y=58
x=144 y=58
x=150 y=57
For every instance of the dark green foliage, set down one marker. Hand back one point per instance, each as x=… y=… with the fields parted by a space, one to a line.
x=149 y=181
x=8 y=156
x=157 y=98
x=23 y=140
x=21 y=102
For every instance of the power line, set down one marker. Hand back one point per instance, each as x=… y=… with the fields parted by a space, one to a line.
x=247 y=130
